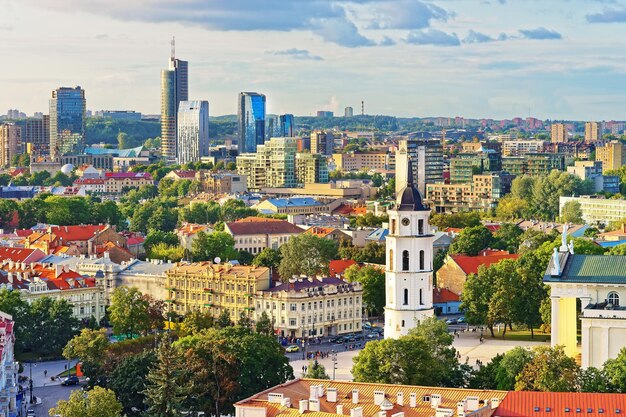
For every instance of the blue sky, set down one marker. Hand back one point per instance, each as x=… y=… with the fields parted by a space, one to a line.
x=499 y=59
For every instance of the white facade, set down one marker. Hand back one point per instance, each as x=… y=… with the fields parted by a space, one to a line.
x=597 y=210
x=409 y=264
x=193 y=131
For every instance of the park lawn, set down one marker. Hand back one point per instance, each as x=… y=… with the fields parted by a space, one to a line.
x=64 y=373
x=520 y=335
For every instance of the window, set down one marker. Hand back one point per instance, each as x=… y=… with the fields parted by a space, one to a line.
x=292 y=322
x=391 y=259
x=406 y=297
x=421 y=260
x=613 y=298
x=393 y=226
x=294 y=307
x=405 y=260
x=402 y=323
x=420 y=227
x=421 y=300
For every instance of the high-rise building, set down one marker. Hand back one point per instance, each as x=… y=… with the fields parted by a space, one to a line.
x=325 y=113
x=322 y=142
x=10 y=143
x=311 y=168
x=273 y=164
x=348 y=112
x=272 y=127
x=612 y=155
x=193 y=131
x=287 y=125
x=593 y=131
x=67 y=121
x=558 y=133
x=36 y=135
x=251 y=117
x=426 y=156
x=465 y=165
x=409 y=262
x=174 y=89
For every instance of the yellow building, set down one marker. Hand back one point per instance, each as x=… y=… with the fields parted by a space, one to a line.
x=612 y=155
x=273 y=164
x=311 y=168
x=10 y=142
x=357 y=161
x=559 y=133
x=593 y=131
x=215 y=288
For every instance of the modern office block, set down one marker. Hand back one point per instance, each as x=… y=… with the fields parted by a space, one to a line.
x=251 y=117
x=67 y=121
x=174 y=89
x=193 y=131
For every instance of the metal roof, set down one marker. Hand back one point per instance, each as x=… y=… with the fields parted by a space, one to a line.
x=591 y=269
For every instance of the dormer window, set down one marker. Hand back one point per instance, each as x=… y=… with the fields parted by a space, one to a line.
x=613 y=298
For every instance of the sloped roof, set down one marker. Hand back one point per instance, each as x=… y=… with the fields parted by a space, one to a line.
x=378 y=235
x=128 y=175
x=294 y=202
x=536 y=404
x=21 y=254
x=75 y=233
x=470 y=264
x=320 y=231
x=263 y=227
x=444 y=295
x=338 y=266
x=590 y=268
x=185 y=173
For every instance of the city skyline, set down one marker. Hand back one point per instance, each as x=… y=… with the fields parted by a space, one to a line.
x=405 y=58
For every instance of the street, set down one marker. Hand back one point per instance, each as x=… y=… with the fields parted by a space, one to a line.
x=49 y=396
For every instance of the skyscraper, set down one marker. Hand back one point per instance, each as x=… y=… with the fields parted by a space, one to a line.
x=193 y=131
x=272 y=126
x=10 y=143
x=251 y=116
x=426 y=158
x=558 y=133
x=287 y=125
x=593 y=131
x=37 y=134
x=322 y=142
x=67 y=121
x=174 y=89
x=348 y=112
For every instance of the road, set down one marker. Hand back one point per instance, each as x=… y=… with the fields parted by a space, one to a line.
x=49 y=396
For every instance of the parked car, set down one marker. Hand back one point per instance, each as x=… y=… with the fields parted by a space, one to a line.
x=292 y=348
x=70 y=380
x=461 y=320
x=451 y=321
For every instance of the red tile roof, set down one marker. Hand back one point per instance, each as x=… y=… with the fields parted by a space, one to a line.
x=129 y=175
x=338 y=266
x=21 y=254
x=470 y=264
x=453 y=230
x=493 y=227
x=536 y=404
x=136 y=240
x=444 y=295
x=263 y=226
x=320 y=231
x=185 y=174
x=85 y=181
x=75 y=233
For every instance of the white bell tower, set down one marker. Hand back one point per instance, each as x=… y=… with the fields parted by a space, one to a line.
x=409 y=263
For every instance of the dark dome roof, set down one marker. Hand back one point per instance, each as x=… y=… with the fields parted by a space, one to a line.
x=409 y=198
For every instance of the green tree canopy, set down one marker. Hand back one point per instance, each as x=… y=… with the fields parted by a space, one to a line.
x=316 y=370
x=129 y=312
x=306 y=254
x=471 y=240
x=97 y=402
x=549 y=370
x=373 y=281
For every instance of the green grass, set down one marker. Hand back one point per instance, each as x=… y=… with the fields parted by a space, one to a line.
x=519 y=335
x=65 y=373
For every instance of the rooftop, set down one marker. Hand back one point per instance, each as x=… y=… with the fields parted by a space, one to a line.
x=555 y=404
x=262 y=226
x=226 y=269
x=294 y=202
x=470 y=264
x=302 y=284
x=129 y=175
x=597 y=269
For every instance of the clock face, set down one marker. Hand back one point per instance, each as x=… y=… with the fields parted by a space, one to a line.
x=405 y=221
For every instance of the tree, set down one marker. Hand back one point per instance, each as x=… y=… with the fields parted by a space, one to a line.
x=223 y=320
x=373 y=281
x=155 y=237
x=166 y=387
x=53 y=325
x=511 y=365
x=594 y=380
x=8 y=208
x=89 y=346
x=456 y=220
x=165 y=252
x=209 y=246
x=268 y=257
x=617 y=250
x=529 y=292
x=615 y=371
x=485 y=377
x=508 y=237
x=572 y=213
x=195 y=321
x=549 y=370
x=127 y=381
x=264 y=325
x=306 y=254
x=316 y=370
x=235 y=209
x=511 y=208
x=11 y=302
x=129 y=312
x=471 y=240
x=97 y=402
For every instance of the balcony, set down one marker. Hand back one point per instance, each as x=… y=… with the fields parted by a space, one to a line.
x=208 y=305
x=209 y=291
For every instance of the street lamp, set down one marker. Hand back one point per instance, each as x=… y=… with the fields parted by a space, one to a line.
x=30 y=383
x=334 y=359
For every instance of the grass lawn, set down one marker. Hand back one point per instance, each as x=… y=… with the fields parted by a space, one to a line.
x=64 y=373
x=520 y=335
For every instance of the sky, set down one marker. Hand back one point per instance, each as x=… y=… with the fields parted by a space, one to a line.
x=409 y=58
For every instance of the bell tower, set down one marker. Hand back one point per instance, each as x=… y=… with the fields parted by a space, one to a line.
x=409 y=262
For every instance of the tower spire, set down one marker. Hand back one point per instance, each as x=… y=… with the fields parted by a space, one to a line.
x=173 y=47
x=409 y=174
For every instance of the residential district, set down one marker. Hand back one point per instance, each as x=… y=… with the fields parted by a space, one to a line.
x=330 y=265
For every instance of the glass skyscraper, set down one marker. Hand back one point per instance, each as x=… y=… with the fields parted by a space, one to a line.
x=287 y=125
x=174 y=89
x=251 y=116
x=67 y=121
x=193 y=131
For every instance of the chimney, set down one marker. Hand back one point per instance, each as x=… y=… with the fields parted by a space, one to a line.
x=435 y=400
x=331 y=395
x=495 y=402
x=356 y=412
x=355 y=397
x=303 y=405
x=314 y=405
x=320 y=391
x=471 y=403
x=399 y=399
x=313 y=392
x=286 y=402
x=413 y=400
x=460 y=407
x=379 y=396
x=339 y=409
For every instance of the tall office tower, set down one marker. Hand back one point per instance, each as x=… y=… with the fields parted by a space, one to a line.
x=559 y=133
x=426 y=157
x=10 y=143
x=251 y=116
x=36 y=135
x=67 y=121
x=593 y=131
x=322 y=142
x=272 y=127
x=174 y=89
x=193 y=131
x=287 y=125
x=348 y=112
x=612 y=155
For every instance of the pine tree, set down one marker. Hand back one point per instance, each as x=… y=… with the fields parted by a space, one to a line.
x=165 y=389
x=316 y=370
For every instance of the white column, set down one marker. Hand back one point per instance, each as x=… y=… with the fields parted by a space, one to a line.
x=586 y=344
x=554 y=323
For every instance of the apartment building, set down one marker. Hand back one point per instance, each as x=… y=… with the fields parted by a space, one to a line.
x=537 y=164
x=481 y=194
x=253 y=234
x=592 y=170
x=312 y=307
x=426 y=156
x=522 y=147
x=596 y=209
x=222 y=183
x=612 y=155
x=558 y=133
x=593 y=131
x=116 y=182
x=10 y=143
x=311 y=168
x=465 y=165
x=273 y=164
x=360 y=161
x=322 y=142
x=215 y=288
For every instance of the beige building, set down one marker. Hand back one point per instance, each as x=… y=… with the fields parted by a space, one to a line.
x=359 y=161
x=311 y=168
x=522 y=147
x=295 y=205
x=222 y=183
x=253 y=234
x=338 y=189
x=597 y=210
x=593 y=131
x=312 y=307
x=116 y=182
x=273 y=164
x=10 y=143
x=559 y=133
x=322 y=142
x=215 y=288
x=481 y=194
x=612 y=155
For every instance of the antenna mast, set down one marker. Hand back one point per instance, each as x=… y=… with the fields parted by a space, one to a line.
x=173 y=47
x=362 y=108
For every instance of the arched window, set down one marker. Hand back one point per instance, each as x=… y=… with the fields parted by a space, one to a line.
x=405 y=260
x=421 y=260
x=402 y=323
x=613 y=298
x=406 y=297
x=421 y=299
x=420 y=227
x=391 y=259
